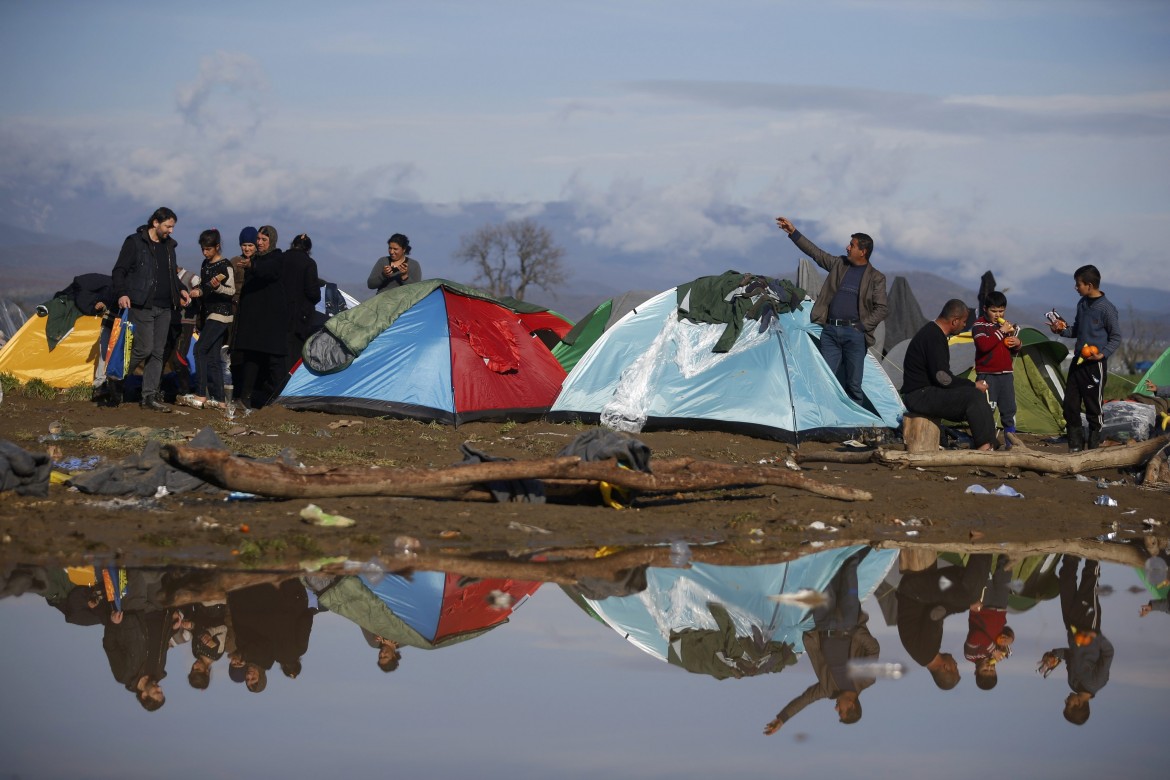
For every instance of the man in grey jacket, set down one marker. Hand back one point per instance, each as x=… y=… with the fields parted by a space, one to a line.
x=850 y=305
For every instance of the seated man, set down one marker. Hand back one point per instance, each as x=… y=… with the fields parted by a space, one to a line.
x=929 y=387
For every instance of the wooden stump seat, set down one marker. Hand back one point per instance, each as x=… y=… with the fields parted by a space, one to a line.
x=921 y=433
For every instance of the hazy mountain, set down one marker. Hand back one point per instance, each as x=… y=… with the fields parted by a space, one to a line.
x=34 y=265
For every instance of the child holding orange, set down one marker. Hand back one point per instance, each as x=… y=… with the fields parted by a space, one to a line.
x=1098 y=335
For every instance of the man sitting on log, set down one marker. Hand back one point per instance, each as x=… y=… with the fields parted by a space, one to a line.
x=928 y=386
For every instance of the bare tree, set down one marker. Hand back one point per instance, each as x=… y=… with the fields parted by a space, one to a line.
x=511 y=257
x=1143 y=338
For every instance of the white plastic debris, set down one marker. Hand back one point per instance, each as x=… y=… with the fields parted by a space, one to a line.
x=1002 y=490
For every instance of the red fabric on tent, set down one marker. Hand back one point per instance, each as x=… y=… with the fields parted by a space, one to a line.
x=482 y=331
x=471 y=607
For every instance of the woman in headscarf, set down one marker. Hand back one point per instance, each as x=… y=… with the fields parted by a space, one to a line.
x=260 y=325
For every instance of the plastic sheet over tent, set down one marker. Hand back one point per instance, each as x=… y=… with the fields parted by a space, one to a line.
x=675 y=599
x=72 y=362
x=772 y=384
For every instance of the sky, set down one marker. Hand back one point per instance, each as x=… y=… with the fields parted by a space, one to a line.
x=1020 y=136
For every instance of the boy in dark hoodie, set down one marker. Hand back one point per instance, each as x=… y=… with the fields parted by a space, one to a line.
x=1097 y=331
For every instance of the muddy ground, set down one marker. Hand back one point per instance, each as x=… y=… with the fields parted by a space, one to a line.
x=755 y=523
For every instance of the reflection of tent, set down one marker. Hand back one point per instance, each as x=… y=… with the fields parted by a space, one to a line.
x=26 y=355
x=434 y=350
x=658 y=370
x=589 y=328
x=442 y=610
x=677 y=598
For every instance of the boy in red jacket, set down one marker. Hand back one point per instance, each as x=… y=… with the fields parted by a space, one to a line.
x=996 y=343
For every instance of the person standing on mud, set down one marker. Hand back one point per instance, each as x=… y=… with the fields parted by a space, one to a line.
x=1089 y=654
x=1098 y=335
x=261 y=325
x=839 y=635
x=851 y=303
x=146 y=281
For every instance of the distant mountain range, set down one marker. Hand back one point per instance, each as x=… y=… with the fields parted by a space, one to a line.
x=34 y=265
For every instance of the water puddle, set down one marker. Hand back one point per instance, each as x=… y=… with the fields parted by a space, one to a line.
x=864 y=662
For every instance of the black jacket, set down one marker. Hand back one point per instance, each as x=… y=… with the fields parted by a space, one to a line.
x=134 y=273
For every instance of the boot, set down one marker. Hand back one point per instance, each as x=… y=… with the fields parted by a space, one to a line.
x=150 y=401
x=1094 y=439
x=1076 y=439
x=114 y=393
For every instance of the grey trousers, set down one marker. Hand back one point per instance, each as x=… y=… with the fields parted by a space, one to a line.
x=151 y=325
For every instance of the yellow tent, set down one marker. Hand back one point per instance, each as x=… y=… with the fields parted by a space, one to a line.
x=26 y=355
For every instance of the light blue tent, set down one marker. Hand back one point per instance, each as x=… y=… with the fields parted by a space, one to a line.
x=655 y=370
x=676 y=599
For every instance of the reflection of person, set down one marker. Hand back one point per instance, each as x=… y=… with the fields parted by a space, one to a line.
x=721 y=653
x=1089 y=654
x=850 y=305
x=272 y=625
x=396 y=268
x=839 y=635
x=382 y=629
x=924 y=599
x=929 y=387
x=989 y=638
x=1096 y=325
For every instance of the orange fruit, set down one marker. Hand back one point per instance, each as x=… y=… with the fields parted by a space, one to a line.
x=1088 y=350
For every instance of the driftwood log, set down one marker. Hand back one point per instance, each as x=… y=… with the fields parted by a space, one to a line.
x=1132 y=454
x=278 y=480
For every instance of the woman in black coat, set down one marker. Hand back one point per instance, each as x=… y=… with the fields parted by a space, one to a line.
x=261 y=325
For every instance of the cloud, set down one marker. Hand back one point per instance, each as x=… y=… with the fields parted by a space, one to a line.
x=1146 y=114
x=228 y=99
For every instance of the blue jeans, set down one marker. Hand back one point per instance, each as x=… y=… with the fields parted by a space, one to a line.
x=843 y=348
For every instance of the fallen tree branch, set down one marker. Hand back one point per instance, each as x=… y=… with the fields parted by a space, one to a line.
x=1132 y=454
x=279 y=480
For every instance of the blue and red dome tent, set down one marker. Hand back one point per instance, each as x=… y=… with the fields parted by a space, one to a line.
x=436 y=350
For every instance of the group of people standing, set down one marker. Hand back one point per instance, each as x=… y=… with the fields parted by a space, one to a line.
x=260 y=304
x=852 y=302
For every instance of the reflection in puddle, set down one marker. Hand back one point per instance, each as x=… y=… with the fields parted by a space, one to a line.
x=551 y=688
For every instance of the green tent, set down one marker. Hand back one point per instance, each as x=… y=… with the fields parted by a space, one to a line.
x=1159 y=374
x=589 y=328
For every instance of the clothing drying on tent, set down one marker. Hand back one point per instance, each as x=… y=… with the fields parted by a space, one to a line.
x=656 y=368
x=679 y=600
x=435 y=350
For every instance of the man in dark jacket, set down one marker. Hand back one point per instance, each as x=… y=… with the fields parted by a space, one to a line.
x=145 y=280
x=849 y=306
x=929 y=387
